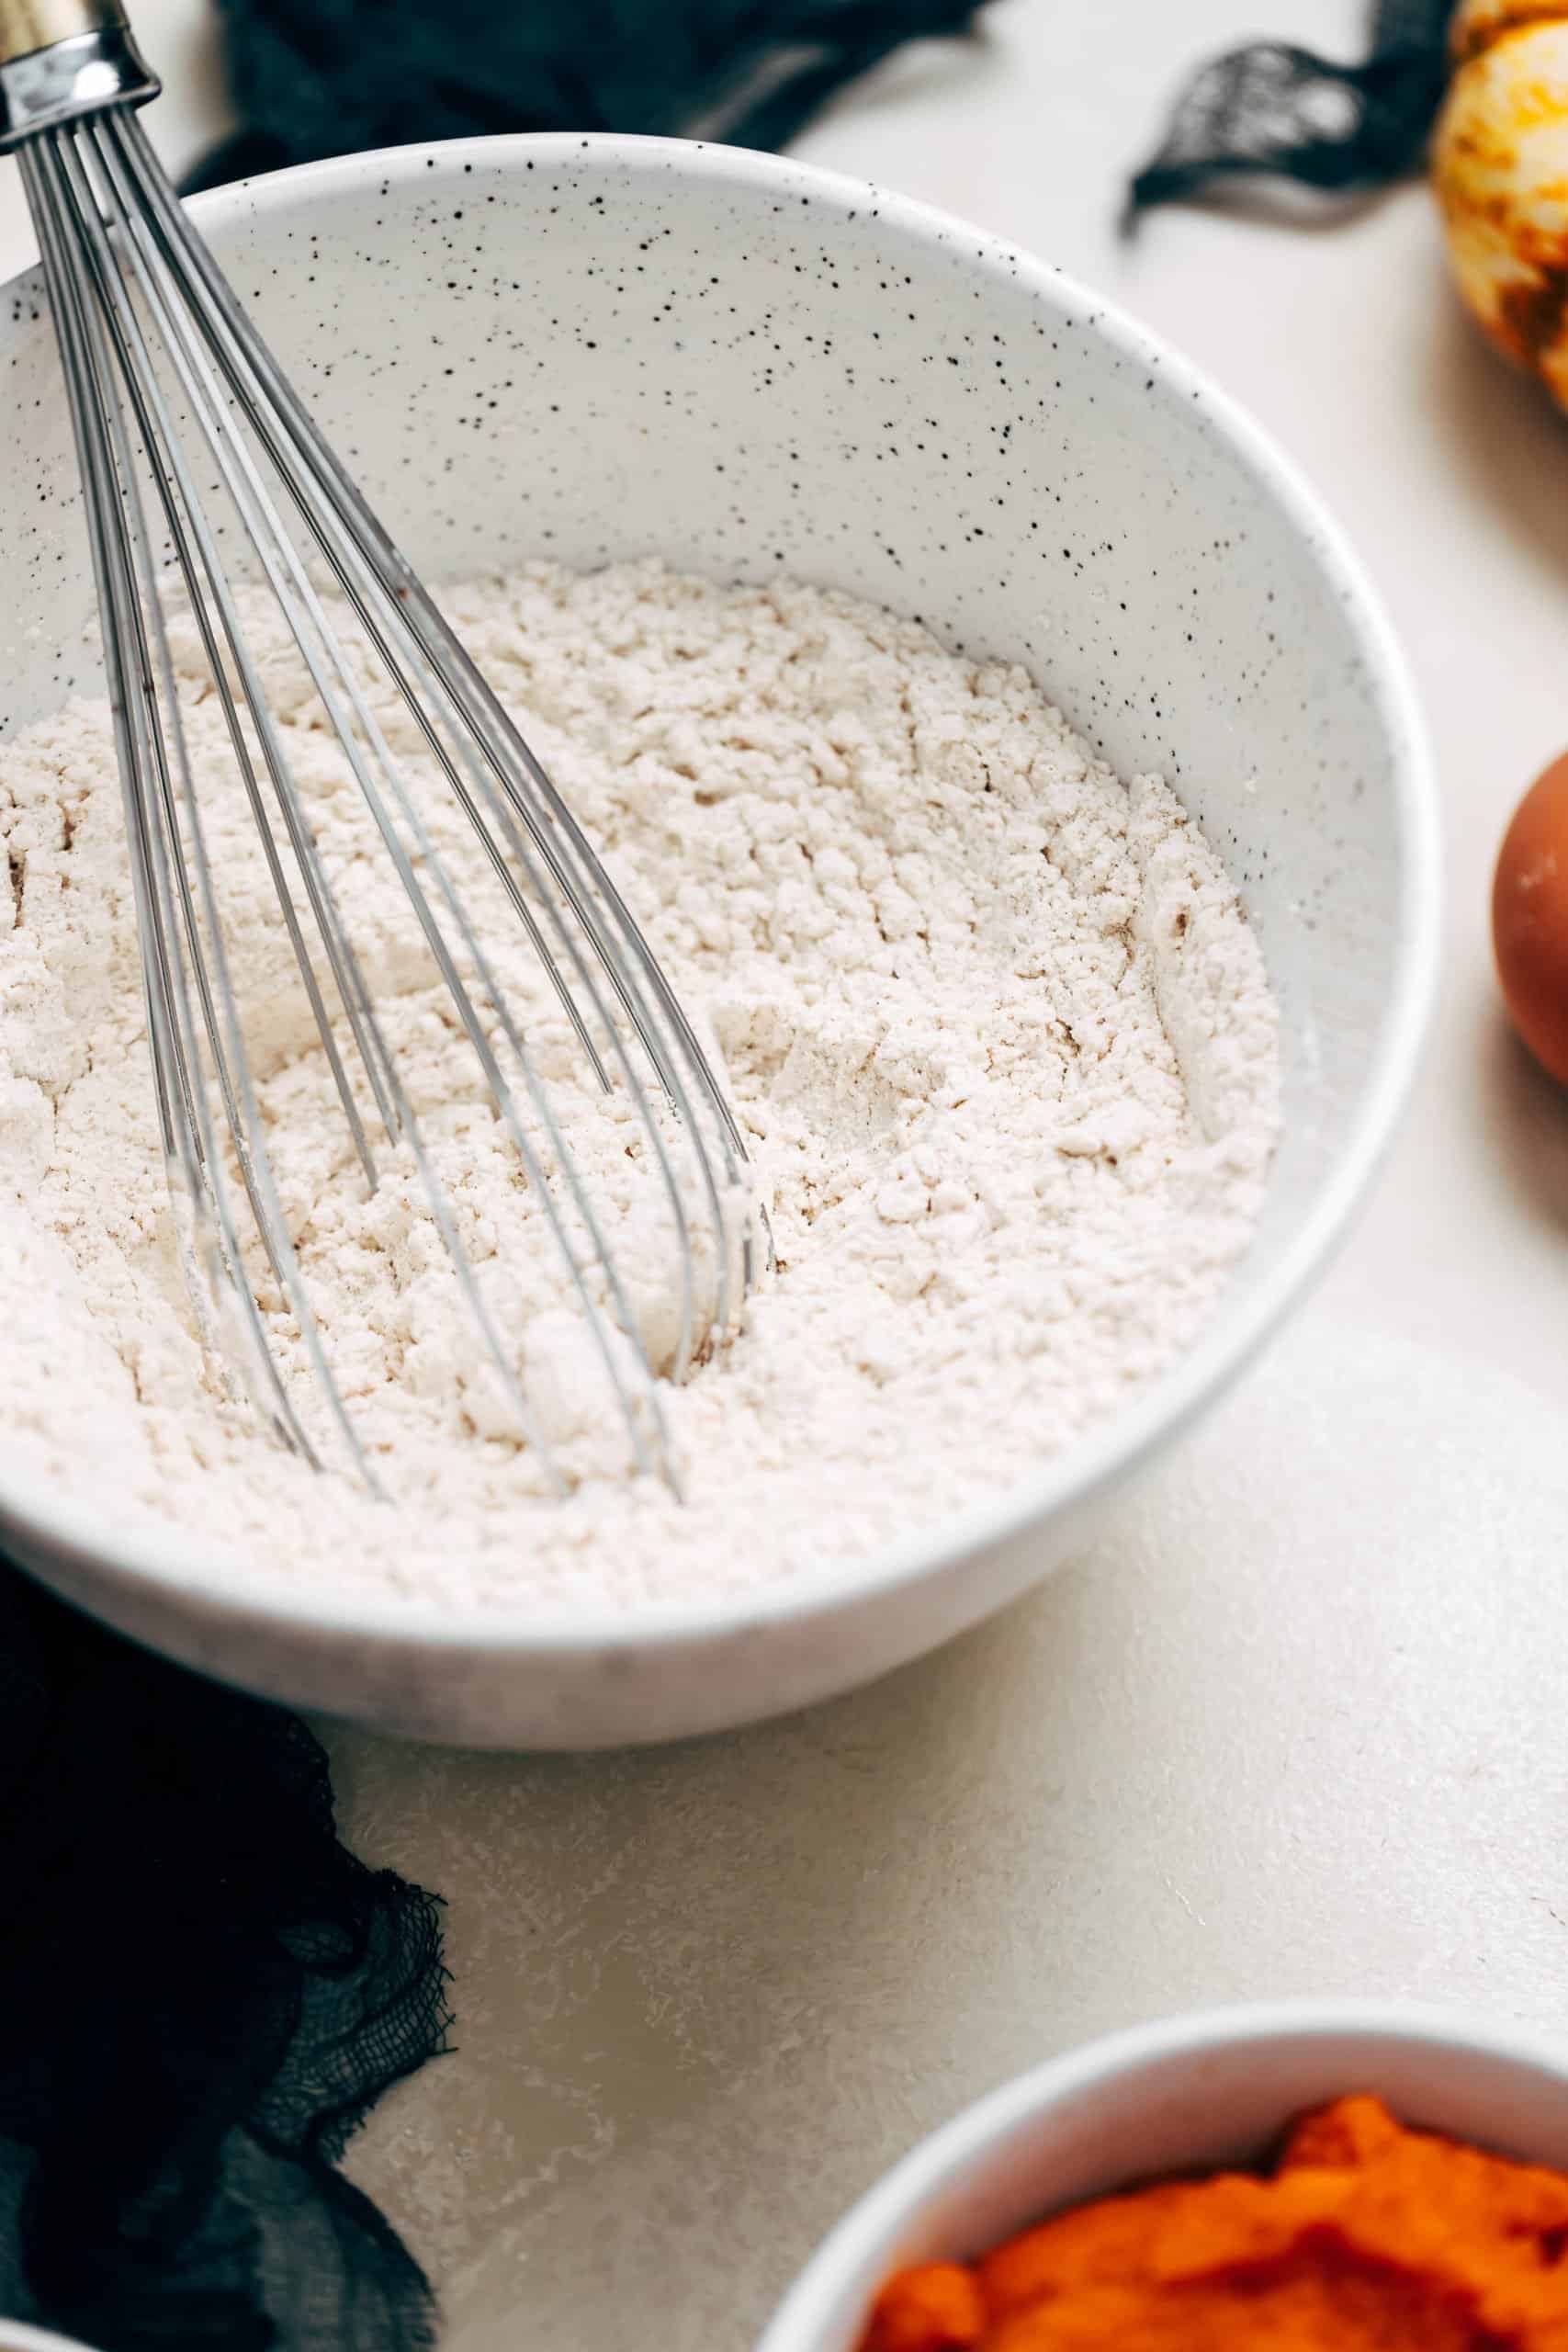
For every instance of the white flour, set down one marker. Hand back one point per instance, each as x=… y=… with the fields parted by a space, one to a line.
x=994 y=1021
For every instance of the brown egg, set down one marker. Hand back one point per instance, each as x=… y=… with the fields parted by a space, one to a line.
x=1529 y=918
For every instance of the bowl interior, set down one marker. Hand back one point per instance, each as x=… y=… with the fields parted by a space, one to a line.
x=595 y=349
x=1172 y=2102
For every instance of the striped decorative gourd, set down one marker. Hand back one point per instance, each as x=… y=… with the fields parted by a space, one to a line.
x=1500 y=169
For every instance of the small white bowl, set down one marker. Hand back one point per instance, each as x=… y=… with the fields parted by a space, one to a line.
x=602 y=348
x=1194 y=2094
x=15 y=2337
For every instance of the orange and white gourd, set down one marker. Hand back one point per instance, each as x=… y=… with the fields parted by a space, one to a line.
x=1499 y=166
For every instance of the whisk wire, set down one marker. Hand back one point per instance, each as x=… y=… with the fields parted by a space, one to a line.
x=158 y=436
x=158 y=827
x=176 y=490
x=660 y=1022
x=153 y=341
x=340 y=524
x=118 y=527
x=334 y=676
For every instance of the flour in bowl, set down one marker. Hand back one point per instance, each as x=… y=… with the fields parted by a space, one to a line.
x=994 y=1024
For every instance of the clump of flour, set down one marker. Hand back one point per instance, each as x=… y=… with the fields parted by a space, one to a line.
x=995 y=1027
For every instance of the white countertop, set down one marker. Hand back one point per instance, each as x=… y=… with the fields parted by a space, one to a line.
x=1298 y=1725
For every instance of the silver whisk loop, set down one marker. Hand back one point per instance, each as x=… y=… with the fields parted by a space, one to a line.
x=179 y=410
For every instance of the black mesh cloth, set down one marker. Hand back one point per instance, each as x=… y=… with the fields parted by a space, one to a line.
x=202 y=1994
x=1278 y=111
x=326 y=77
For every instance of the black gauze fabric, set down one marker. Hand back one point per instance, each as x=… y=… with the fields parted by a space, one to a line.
x=1278 y=111
x=327 y=77
x=202 y=1994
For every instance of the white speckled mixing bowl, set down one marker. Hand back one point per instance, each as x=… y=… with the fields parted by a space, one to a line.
x=599 y=348
x=1192 y=2094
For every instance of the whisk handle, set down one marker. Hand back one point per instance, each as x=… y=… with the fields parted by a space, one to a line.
x=63 y=58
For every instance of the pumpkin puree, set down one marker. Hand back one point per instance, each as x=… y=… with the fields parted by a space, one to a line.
x=1366 y=2238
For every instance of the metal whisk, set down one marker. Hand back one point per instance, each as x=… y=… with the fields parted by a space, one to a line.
x=202 y=470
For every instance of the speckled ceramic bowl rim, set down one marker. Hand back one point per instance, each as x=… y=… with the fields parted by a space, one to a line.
x=31 y=1508
x=941 y=2161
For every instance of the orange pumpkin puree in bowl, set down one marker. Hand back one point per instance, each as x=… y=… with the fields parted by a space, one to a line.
x=1366 y=2237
